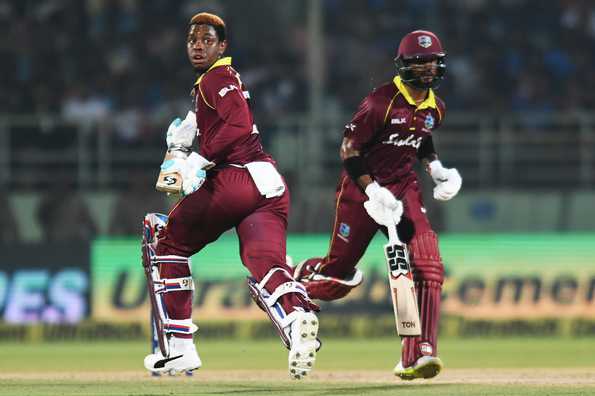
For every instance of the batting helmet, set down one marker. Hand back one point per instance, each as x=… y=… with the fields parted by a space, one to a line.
x=420 y=46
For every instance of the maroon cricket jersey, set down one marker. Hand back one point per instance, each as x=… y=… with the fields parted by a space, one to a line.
x=226 y=130
x=388 y=129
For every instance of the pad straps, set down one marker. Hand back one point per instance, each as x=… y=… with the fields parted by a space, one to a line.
x=175 y=284
x=183 y=326
x=164 y=285
x=171 y=259
x=288 y=287
x=269 y=302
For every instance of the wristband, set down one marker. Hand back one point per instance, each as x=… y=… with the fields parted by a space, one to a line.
x=355 y=167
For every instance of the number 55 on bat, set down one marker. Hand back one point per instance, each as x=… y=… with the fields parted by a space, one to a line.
x=402 y=289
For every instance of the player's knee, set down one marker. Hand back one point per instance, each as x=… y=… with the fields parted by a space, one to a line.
x=425 y=256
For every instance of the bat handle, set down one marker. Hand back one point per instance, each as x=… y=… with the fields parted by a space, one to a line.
x=393 y=237
x=178 y=151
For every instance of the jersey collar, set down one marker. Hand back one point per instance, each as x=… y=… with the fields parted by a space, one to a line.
x=221 y=62
x=430 y=101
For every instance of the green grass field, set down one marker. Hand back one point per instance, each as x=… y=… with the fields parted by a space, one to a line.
x=344 y=367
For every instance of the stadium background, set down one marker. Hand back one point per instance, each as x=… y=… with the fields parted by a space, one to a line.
x=87 y=89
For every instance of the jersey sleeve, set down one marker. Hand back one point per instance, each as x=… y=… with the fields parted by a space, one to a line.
x=427 y=148
x=441 y=110
x=224 y=94
x=366 y=122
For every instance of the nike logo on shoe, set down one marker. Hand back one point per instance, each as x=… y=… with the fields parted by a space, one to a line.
x=161 y=363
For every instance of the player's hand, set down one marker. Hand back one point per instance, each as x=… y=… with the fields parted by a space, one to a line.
x=193 y=173
x=191 y=169
x=382 y=214
x=448 y=181
x=180 y=134
x=381 y=195
x=174 y=165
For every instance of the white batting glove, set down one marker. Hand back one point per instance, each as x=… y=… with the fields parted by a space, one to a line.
x=180 y=134
x=193 y=173
x=381 y=195
x=382 y=214
x=192 y=170
x=197 y=161
x=448 y=181
x=174 y=165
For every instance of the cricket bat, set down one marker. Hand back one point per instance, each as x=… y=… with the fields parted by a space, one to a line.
x=402 y=289
x=171 y=181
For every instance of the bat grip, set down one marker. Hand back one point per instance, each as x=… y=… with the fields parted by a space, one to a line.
x=178 y=151
x=393 y=237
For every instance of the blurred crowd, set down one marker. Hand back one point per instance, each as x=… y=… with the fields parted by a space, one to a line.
x=126 y=59
x=503 y=55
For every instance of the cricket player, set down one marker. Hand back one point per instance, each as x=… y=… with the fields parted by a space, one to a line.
x=391 y=129
x=230 y=182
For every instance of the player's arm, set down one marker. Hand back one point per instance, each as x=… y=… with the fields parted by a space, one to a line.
x=382 y=205
x=354 y=164
x=182 y=171
x=358 y=133
x=427 y=153
x=227 y=98
x=448 y=180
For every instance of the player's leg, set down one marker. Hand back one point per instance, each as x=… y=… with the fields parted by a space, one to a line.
x=333 y=276
x=195 y=221
x=262 y=237
x=419 y=354
x=173 y=355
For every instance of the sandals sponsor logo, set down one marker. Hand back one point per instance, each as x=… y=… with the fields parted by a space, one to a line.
x=410 y=140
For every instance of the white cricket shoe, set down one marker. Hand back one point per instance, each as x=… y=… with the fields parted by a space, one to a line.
x=182 y=357
x=304 y=344
x=424 y=367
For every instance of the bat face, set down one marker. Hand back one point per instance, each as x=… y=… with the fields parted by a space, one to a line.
x=397 y=258
x=402 y=289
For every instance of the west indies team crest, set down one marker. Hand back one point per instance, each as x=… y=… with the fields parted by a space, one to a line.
x=429 y=122
x=424 y=41
x=344 y=230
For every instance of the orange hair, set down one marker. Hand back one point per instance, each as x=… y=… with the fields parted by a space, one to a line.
x=205 y=18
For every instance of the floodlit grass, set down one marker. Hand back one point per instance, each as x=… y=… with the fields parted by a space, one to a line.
x=516 y=366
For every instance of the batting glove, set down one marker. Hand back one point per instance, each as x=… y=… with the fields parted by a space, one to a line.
x=448 y=181
x=193 y=173
x=192 y=170
x=381 y=195
x=180 y=134
x=382 y=214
